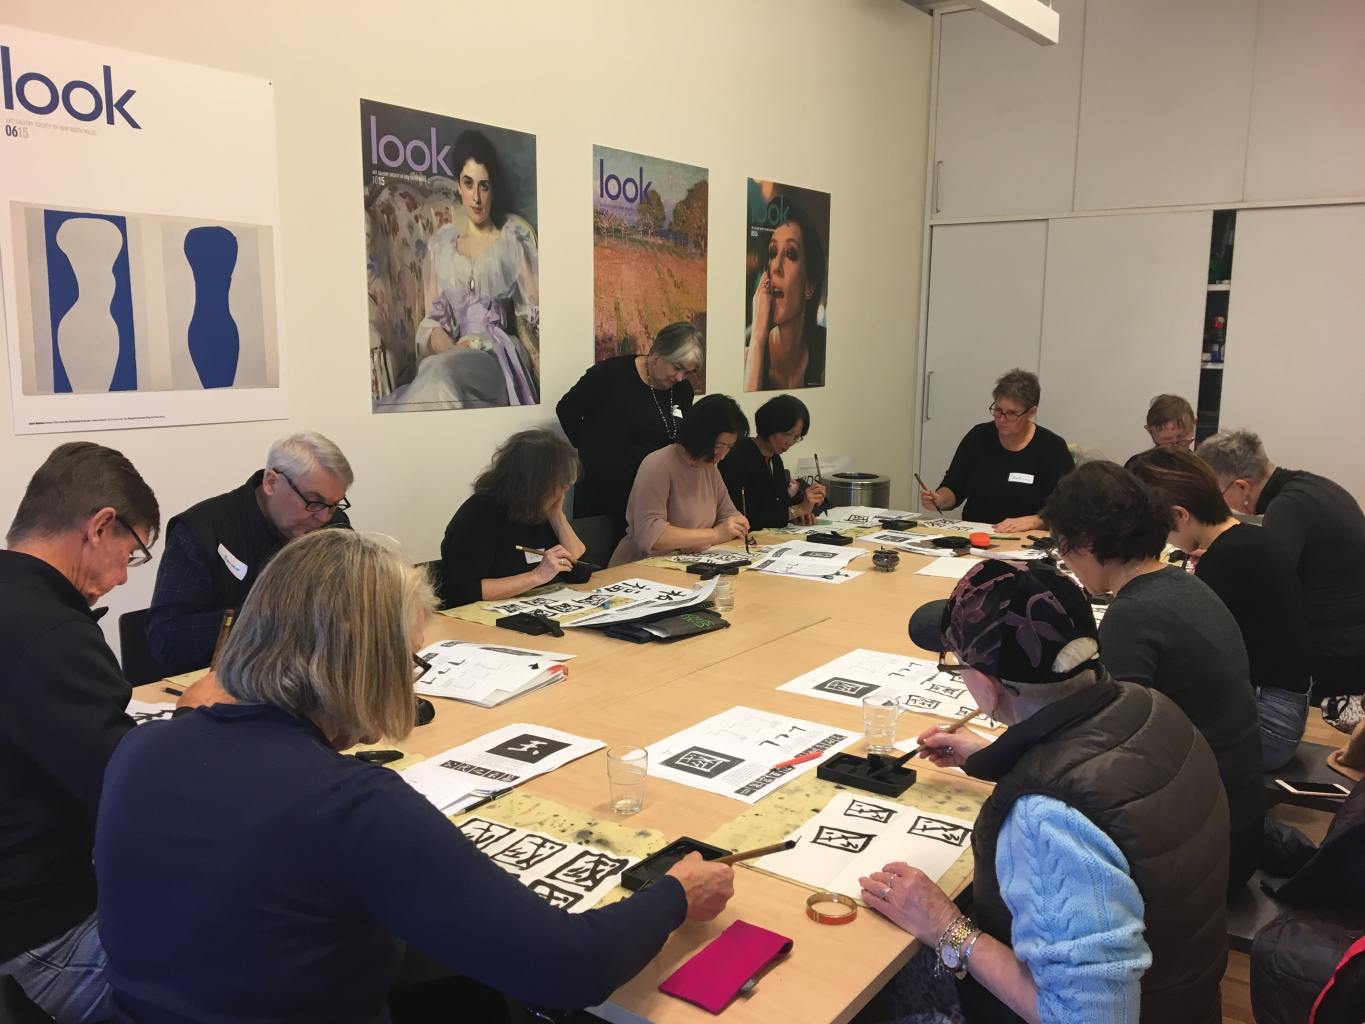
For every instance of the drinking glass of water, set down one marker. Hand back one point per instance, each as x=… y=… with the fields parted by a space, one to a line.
x=879 y=724
x=626 y=770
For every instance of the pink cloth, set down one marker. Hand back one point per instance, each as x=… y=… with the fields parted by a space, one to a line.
x=668 y=491
x=713 y=977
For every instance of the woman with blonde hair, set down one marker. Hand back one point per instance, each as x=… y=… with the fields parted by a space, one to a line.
x=248 y=871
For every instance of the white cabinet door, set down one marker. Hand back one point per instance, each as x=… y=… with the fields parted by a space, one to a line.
x=1296 y=338
x=1005 y=141
x=1307 y=123
x=1165 y=97
x=985 y=309
x=1122 y=322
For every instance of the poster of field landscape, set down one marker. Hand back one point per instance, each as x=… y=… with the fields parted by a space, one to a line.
x=649 y=226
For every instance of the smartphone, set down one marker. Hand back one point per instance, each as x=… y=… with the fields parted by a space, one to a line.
x=1326 y=789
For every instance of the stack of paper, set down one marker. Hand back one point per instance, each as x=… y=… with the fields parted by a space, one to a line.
x=914 y=543
x=736 y=753
x=487 y=674
x=913 y=684
x=863 y=515
x=961 y=525
x=616 y=602
x=462 y=776
x=803 y=559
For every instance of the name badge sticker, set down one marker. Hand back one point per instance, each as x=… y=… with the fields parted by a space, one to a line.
x=1021 y=478
x=677 y=413
x=234 y=564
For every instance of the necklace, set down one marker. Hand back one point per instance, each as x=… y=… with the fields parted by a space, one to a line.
x=670 y=428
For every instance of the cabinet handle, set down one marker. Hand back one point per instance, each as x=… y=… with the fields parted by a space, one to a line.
x=928 y=385
x=938 y=177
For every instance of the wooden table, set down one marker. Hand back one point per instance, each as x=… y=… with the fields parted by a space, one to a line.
x=620 y=692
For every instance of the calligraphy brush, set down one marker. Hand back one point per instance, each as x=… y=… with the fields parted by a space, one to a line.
x=744 y=507
x=541 y=551
x=933 y=500
x=953 y=726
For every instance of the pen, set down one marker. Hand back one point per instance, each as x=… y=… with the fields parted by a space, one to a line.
x=761 y=851
x=952 y=726
x=488 y=799
x=173 y=691
x=799 y=760
x=934 y=500
x=541 y=551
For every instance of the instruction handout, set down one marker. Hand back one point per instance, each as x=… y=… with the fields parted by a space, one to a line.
x=856 y=835
x=810 y=561
x=495 y=762
x=735 y=752
x=913 y=684
x=487 y=674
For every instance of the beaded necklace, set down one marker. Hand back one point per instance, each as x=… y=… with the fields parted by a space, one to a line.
x=670 y=429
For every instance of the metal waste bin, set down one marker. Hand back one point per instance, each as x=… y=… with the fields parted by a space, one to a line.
x=870 y=489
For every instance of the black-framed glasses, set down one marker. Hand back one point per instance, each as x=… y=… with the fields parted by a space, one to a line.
x=955 y=669
x=312 y=504
x=423 y=666
x=1005 y=414
x=143 y=555
x=793 y=438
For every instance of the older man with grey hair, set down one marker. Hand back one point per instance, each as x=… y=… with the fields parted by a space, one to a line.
x=1322 y=528
x=86 y=517
x=217 y=548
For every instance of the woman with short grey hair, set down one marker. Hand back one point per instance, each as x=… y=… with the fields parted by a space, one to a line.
x=249 y=871
x=1005 y=469
x=622 y=409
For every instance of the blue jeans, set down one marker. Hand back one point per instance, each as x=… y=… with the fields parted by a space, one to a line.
x=1283 y=717
x=66 y=976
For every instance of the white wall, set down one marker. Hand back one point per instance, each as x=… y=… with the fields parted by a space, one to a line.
x=832 y=96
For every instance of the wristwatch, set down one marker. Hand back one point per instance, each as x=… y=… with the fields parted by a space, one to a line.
x=955 y=946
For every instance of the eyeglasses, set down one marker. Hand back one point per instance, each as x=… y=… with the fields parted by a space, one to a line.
x=1005 y=414
x=1177 y=442
x=140 y=557
x=791 y=438
x=955 y=670
x=312 y=504
x=423 y=666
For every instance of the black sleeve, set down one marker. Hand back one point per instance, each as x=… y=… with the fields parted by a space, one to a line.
x=1286 y=523
x=583 y=401
x=958 y=477
x=69 y=714
x=1056 y=465
x=1128 y=648
x=511 y=940
x=467 y=553
x=732 y=471
x=182 y=622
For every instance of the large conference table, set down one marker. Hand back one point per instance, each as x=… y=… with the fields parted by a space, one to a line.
x=624 y=693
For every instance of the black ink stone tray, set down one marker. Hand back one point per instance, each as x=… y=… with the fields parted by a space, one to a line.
x=657 y=864
x=857 y=773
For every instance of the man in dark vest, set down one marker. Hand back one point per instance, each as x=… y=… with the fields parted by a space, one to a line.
x=86 y=517
x=1101 y=858
x=217 y=548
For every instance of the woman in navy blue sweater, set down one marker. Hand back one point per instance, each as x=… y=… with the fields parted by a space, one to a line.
x=249 y=872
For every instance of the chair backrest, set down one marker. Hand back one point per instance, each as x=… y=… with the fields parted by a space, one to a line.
x=600 y=535
x=138 y=666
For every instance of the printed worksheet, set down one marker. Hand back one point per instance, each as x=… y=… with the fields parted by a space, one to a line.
x=959 y=525
x=915 y=543
x=862 y=515
x=856 y=835
x=487 y=674
x=811 y=561
x=913 y=684
x=494 y=763
x=563 y=874
x=737 y=752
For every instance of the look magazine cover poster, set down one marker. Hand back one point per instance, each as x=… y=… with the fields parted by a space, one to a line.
x=137 y=247
x=786 y=274
x=452 y=261
x=649 y=230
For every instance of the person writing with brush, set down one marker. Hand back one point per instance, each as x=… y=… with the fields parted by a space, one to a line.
x=1101 y=856
x=518 y=503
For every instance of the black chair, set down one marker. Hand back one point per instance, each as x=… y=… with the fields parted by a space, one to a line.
x=600 y=535
x=138 y=666
x=17 y=1008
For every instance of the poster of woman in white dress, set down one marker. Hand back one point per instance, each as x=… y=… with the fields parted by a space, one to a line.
x=453 y=268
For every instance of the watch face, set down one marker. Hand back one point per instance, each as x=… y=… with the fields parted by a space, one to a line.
x=950 y=957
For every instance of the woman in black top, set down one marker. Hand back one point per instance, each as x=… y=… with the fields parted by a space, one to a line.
x=1005 y=470
x=754 y=474
x=622 y=409
x=1244 y=566
x=518 y=500
x=1166 y=630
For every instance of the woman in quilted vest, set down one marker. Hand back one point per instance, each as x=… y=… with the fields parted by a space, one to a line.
x=1101 y=856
